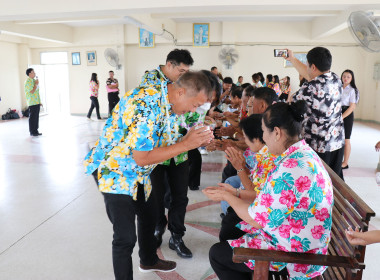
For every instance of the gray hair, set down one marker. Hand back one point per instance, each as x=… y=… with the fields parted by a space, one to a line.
x=195 y=82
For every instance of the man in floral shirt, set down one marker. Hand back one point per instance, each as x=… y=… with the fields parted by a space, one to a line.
x=133 y=141
x=173 y=170
x=323 y=125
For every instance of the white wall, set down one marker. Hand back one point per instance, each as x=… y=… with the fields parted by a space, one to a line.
x=254 y=42
x=10 y=90
x=79 y=77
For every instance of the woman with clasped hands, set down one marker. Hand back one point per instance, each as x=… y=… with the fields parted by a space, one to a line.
x=292 y=211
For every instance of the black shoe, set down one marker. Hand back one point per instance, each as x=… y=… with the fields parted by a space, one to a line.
x=158 y=234
x=39 y=133
x=346 y=167
x=161 y=265
x=194 y=188
x=176 y=243
x=35 y=134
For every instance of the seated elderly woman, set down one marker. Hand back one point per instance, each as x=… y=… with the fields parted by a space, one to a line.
x=293 y=210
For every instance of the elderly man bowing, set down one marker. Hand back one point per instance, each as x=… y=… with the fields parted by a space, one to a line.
x=134 y=139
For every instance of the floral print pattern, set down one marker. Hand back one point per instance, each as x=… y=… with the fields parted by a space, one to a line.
x=31 y=98
x=294 y=210
x=157 y=79
x=323 y=125
x=141 y=121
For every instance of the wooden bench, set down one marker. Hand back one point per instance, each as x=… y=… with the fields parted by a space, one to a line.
x=344 y=261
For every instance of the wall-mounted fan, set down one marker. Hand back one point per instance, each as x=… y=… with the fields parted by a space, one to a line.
x=112 y=58
x=365 y=29
x=228 y=56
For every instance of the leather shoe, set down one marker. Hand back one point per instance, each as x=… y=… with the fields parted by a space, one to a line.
x=161 y=265
x=158 y=234
x=34 y=134
x=176 y=243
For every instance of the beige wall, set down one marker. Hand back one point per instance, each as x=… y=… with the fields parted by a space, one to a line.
x=79 y=76
x=10 y=90
x=253 y=41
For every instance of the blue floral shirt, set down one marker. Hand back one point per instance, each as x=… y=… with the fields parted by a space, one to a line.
x=141 y=121
x=157 y=79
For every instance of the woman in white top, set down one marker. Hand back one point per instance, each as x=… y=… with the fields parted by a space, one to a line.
x=350 y=98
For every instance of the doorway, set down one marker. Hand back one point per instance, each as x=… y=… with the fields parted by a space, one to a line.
x=53 y=74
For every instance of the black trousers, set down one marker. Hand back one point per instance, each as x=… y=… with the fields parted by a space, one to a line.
x=228 y=171
x=113 y=99
x=195 y=166
x=334 y=159
x=34 y=116
x=177 y=176
x=221 y=262
x=229 y=231
x=94 y=104
x=122 y=211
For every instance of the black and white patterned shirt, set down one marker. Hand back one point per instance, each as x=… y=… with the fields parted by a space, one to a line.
x=323 y=125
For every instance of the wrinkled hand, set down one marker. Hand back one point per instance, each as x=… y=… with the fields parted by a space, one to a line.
x=377 y=146
x=236 y=157
x=215 y=193
x=354 y=237
x=228 y=114
x=225 y=131
x=196 y=138
x=228 y=188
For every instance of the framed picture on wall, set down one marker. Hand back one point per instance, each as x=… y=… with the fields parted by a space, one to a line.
x=301 y=56
x=201 y=35
x=146 y=38
x=75 y=58
x=91 y=58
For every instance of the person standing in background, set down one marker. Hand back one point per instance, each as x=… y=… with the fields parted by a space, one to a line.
x=285 y=88
x=112 y=86
x=33 y=100
x=240 y=81
x=323 y=125
x=350 y=98
x=94 y=90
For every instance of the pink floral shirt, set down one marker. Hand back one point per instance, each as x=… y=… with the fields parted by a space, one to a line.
x=94 y=89
x=294 y=208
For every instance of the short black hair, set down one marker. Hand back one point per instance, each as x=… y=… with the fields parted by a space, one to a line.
x=262 y=80
x=266 y=94
x=270 y=77
x=213 y=68
x=245 y=85
x=215 y=85
x=237 y=92
x=178 y=56
x=251 y=126
x=286 y=116
x=28 y=71
x=249 y=90
x=228 y=80
x=320 y=57
x=110 y=71
x=240 y=77
x=256 y=77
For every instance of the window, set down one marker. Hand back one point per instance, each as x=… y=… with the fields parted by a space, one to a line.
x=54 y=58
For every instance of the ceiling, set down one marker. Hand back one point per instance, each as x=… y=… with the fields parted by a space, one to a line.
x=22 y=15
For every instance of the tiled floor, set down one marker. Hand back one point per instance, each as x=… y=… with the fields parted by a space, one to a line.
x=53 y=223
